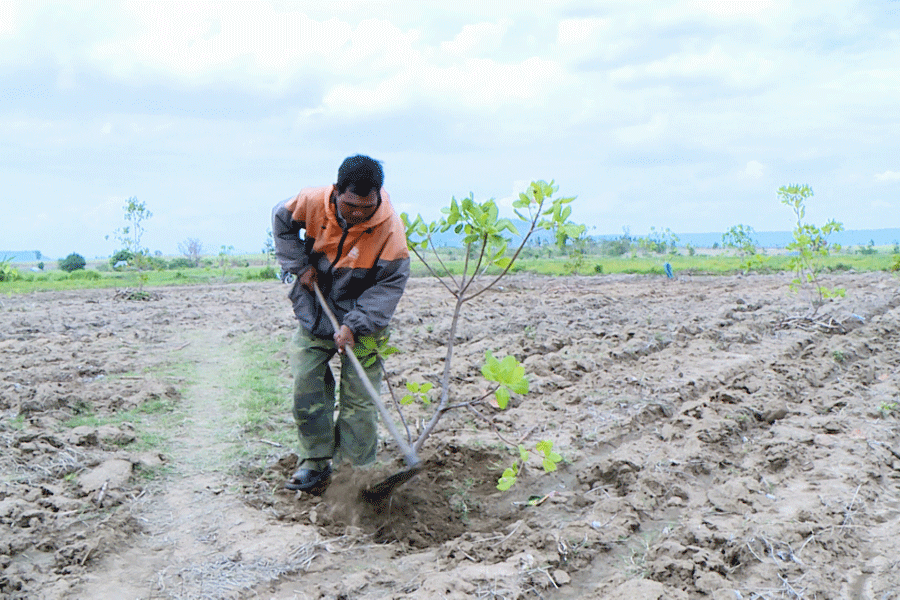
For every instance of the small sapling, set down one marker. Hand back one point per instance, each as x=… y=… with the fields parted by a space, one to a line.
x=485 y=238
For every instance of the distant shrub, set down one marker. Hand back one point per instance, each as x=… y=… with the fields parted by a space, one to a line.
x=181 y=263
x=617 y=247
x=598 y=268
x=156 y=263
x=263 y=274
x=85 y=274
x=72 y=262
x=868 y=249
x=8 y=272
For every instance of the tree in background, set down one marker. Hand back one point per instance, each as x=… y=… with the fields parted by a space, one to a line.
x=192 y=249
x=72 y=262
x=741 y=238
x=618 y=246
x=269 y=248
x=136 y=214
x=659 y=241
x=120 y=259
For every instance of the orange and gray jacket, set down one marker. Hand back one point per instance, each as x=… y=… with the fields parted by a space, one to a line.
x=362 y=270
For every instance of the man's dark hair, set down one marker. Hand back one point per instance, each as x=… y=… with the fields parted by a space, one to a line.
x=360 y=174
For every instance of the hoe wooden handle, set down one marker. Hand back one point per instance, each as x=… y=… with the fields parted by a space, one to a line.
x=412 y=461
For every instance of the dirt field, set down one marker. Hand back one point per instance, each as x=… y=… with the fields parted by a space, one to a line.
x=714 y=446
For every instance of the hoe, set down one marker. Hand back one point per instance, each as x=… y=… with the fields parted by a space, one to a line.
x=378 y=494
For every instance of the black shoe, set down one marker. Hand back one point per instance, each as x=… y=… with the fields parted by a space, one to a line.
x=310 y=481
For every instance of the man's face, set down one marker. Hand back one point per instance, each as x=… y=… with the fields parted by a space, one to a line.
x=356 y=209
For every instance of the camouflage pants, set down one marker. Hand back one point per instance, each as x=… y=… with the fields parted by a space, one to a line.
x=353 y=435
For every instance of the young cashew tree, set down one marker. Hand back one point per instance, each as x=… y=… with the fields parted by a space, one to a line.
x=811 y=247
x=136 y=214
x=485 y=238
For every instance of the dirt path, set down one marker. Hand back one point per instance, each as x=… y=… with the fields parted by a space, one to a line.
x=196 y=530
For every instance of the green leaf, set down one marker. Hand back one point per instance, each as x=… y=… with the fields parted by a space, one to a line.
x=507 y=480
x=502 y=395
x=523 y=453
x=520 y=387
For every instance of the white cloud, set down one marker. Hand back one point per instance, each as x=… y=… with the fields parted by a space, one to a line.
x=732 y=9
x=476 y=39
x=740 y=68
x=252 y=44
x=9 y=18
x=753 y=170
x=645 y=132
x=578 y=31
x=888 y=176
x=474 y=83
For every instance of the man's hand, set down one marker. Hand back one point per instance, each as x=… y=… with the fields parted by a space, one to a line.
x=343 y=338
x=309 y=277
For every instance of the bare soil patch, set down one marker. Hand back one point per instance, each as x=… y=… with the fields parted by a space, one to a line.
x=714 y=445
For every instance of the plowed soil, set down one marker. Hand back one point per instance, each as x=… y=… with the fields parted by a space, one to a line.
x=718 y=441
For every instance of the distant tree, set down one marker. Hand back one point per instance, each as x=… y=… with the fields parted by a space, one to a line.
x=191 y=248
x=72 y=262
x=120 y=259
x=269 y=248
x=870 y=249
x=136 y=214
x=741 y=238
x=659 y=241
x=618 y=246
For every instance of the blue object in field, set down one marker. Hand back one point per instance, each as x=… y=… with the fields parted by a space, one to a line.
x=669 y=272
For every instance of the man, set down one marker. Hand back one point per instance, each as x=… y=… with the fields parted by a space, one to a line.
x=354 y=248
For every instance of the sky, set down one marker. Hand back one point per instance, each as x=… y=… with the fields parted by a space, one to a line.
x=681 y=115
